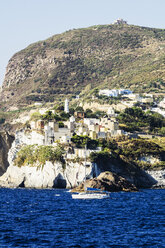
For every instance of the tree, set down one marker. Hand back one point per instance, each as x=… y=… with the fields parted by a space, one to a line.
x=80 y=109
x=71 y=111
x=48 y=115
x=82 y=140
x=64 y=115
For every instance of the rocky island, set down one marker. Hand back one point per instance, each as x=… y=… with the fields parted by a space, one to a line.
x=80 y=89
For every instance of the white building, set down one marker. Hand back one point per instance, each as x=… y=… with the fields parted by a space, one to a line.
x=134 y=97
x=124 y=92
x=49 y=135
x=72 y=119
x=94 y=128
x=82 y=153
x=120 y=21
x=62 y=132
x=114 y=92
x=90 y=121
x=37 y=104
x=109 y=93
x=82 y=130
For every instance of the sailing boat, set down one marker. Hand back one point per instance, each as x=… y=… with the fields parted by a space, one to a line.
x=90 y=193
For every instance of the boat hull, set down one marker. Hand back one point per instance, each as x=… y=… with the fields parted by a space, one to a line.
x=90 y=196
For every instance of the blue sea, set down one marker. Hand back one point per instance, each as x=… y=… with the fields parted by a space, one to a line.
x=51 y=218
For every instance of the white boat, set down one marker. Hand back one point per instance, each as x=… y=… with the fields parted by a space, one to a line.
x=90 y=193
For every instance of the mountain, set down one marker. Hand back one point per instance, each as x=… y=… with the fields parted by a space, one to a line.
x=111 y=56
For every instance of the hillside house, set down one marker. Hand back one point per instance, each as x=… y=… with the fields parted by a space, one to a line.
x=79 y=114
x=81 y=153
x=120 y=21
x=62 y=132
x=90 y=121
x=37 y=125
x=109 y=93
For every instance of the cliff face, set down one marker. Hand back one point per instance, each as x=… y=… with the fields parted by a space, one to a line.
x=49 y=176
x=109 y=55
x=5 y=144
x=54 y=175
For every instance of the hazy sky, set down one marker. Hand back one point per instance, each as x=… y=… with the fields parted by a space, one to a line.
x=23 y=22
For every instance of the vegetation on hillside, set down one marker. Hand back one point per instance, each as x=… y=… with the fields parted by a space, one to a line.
x=112 y=56
x=135 y=119
x=129 y=153
x=34 y=154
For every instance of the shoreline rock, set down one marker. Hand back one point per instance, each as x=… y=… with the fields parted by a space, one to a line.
x=6 y=141
x=54 y=176
x=159 y=177
x=48 y=176
x=108 y=181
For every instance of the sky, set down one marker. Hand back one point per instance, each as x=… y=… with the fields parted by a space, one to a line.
x=23 y=22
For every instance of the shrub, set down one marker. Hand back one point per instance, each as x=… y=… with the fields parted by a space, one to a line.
x=29 y=155
x=61 y=124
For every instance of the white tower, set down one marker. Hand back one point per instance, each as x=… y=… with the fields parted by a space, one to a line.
x=66 y=107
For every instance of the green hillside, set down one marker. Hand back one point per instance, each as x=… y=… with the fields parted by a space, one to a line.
x=111 y=56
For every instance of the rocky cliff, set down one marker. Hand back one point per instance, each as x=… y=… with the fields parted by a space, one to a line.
x=5 y=144
x=47 y=176
x=105 y=56
x=55 y=175
x=51 y=175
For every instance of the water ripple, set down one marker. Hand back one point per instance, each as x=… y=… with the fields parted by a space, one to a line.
x=51 y=218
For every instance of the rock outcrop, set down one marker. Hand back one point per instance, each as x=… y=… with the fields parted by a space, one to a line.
x=107 y=181
x=158 y=177
x=53 y=175
x=5 y=144
x=48 y=176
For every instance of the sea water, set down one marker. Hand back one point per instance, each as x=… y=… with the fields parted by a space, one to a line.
x=51 y=218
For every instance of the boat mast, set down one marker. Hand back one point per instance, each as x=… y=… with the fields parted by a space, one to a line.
x=85 y=167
